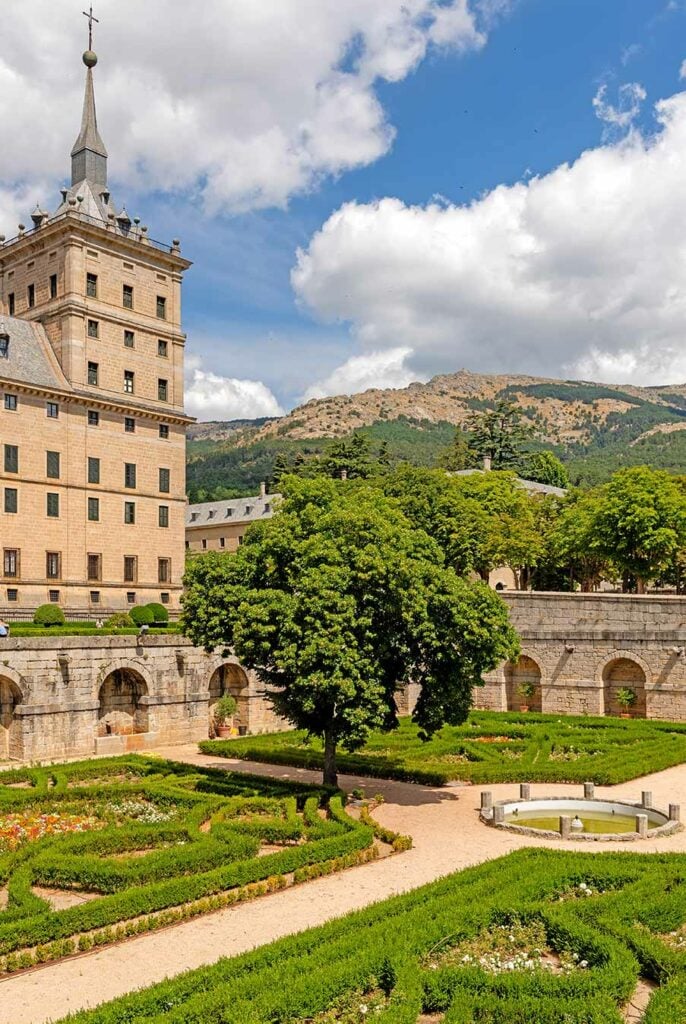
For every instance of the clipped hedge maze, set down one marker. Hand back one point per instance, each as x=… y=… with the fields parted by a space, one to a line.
x=100 y=850
x=490 y=747
x=538 y=936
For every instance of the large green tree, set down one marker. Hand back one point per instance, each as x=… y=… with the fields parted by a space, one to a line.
x=500 y=435
x=339 y=600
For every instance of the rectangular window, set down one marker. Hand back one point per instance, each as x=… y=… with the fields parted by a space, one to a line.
x=130 y=568
x=164 y=431
x=204 y=544
x=129 y=474
x=52 y=409
x=164 y=481
x=164 y=598
x=52 y=505
x=127 y=296
x=94 y=510
x=161 y=307
x=11 y=499
x=12 y=594
x=53 y=286
x=162 y=348
x=92 y=286
x=11 y=304
x=54 y=596
x=162 y=390
x=128 y=381
x=130 y=597
x=93 y=470
x=164 y=570
x=164 y=515
x=52 y=565
x=129 y=339
x=129 y=425
x=52 y=465
x=93 y=418
x=4 y=346
x=11 y=458
x=93 y=375
x=129 y=512
x=93 y=329
x=10 y=563
x=11 y=403
x=95 y=597
x=31 y=295
x=222 y=542
x=95 y=567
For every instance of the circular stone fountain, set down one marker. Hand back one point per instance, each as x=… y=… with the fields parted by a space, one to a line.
x=580 y=818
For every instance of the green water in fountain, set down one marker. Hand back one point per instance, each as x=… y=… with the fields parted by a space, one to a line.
x=593 y=821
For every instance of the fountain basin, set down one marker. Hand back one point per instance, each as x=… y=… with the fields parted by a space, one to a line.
x=584 y=819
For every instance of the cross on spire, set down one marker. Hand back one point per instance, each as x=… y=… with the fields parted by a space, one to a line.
x=91 y=18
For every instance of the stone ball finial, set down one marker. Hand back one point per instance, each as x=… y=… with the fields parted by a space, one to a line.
x=90 y=59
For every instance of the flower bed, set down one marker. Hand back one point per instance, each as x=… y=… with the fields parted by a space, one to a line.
x=489 y=747
x=493 y=944
x=165 y=842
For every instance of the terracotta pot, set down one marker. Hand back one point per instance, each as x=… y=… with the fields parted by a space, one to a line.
x=222 y=731
x=523 y=707
x=624 y=714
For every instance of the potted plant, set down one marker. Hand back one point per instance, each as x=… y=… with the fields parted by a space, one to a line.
x=626 y=698
x=224 y=710
x=526 y=690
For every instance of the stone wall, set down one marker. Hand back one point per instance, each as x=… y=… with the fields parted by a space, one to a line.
x=76 y=696
x=580 y=649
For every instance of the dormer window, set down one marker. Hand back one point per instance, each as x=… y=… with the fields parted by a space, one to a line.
x=4 y=346
x=248 y=509
x=194 y=516
x=229 y=512
x=210 y=514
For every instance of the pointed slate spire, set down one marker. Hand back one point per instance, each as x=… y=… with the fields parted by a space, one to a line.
x=89 y=156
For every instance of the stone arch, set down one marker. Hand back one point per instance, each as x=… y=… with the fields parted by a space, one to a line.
x=11 y=740
x=624 y=670
x=121 y=710
x=525 y=670
x=230 y=677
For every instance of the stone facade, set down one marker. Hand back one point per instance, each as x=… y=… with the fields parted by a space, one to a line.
x=92 y=460
x=77 y=696
x=578 y=650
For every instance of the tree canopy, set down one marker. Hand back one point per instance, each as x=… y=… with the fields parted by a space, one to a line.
x=337 y=601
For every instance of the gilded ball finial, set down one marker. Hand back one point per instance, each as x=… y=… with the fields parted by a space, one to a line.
x=90 y=59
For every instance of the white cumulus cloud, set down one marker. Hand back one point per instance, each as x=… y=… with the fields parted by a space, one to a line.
x=619 y=116
x=212 y=397
x=241 y=103
x=581 y=271
x=385 y=369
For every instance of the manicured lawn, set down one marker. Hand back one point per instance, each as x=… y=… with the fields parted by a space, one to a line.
x=149 y=843
x=538 y=937
x=490 y=747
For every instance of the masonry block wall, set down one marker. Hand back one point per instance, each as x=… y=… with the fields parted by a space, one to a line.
x=579 y=650
x=77 y=696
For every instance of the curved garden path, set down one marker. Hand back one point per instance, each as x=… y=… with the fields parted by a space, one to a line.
x=447 y=837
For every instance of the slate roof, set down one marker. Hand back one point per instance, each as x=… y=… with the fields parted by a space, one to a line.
x=30 y=358
x=235 y=510
x=528 y=485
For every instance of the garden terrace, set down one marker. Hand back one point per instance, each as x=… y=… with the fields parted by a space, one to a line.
x=489 y=748
x=555 y=938
x=97 y=851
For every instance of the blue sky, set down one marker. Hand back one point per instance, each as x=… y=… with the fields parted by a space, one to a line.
x=514 y=104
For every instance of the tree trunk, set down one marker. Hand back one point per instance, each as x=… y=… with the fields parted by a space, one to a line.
x=330 y=774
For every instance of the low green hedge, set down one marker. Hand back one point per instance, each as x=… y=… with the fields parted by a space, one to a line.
x=26 y=630
x=184 y=861
x=491 y=747
x=393 y=950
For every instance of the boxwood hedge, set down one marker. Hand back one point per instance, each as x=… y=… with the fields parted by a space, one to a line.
x=195 y=833
x=490 y=747
x=620 y=932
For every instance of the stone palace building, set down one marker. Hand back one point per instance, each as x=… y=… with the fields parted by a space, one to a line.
x=92 y=423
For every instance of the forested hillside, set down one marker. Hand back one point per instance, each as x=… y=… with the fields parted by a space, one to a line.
x=593 y=428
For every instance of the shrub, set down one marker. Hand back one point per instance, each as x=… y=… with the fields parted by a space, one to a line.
x=159 y=613
x=141 y=615
x=224 y=709
x=120 y=620
x=49 y=615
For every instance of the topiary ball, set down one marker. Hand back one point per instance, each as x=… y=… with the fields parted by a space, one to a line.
x=49 y=615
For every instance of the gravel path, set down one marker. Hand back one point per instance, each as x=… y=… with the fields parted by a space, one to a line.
x=447 y=837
